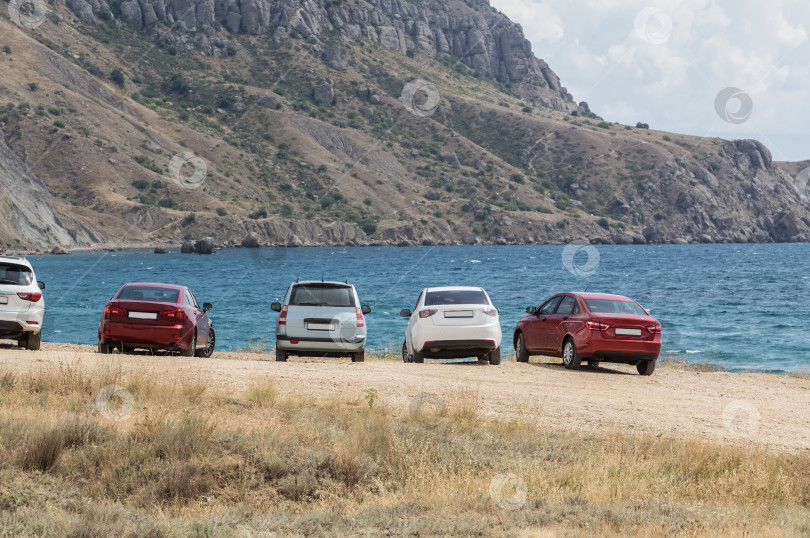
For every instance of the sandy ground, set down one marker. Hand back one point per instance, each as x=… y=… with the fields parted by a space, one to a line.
x=764 y=410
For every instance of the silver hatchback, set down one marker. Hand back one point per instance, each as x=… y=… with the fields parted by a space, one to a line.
x=321 y=319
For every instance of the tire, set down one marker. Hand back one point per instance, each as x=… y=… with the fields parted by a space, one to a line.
x=418 y=358
x=281 y=356
x=521 y=353
x=405 y=357
x=22 y=341
x=494 y=356
x=192 y=348
x=594 y=364
x=571 y=358
x=645 y=367
x=208 y=350
x=33 y=341
x=104 y=347
x=360 y=356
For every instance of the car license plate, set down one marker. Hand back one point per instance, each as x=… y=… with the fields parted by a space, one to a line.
x=3 y=299
x=628 y=332
x=459 y=314
x=142 y=315
x=320 y=326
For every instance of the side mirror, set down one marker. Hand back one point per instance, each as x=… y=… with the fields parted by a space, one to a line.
x=41 y=284
x=365 y=309
x=207 y=307
x=405 y=313
x=531 y=310
x=275 y=307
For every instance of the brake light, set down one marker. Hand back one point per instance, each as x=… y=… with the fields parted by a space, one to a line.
x=596 y=326
x=33 y=297
x=282 y=317
x=655 y=329
x=361 y=321
x=490 y=311
x=176 y=315
x=112 y=311
x=426 y=313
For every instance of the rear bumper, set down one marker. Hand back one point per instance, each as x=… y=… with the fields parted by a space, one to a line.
x=325 y=346
x=451 y=349
x=18 y=326
x=152 y=336
x=621 y=351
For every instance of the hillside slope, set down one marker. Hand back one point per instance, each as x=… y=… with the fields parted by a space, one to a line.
x=382 y=122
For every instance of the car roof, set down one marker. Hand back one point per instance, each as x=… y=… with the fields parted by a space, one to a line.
x=15 y=259
x=604 y=296
x=155 y=284
x=322 y=282
x=455 y=288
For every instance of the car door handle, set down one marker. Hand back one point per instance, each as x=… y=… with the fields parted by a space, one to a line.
x=565 y=318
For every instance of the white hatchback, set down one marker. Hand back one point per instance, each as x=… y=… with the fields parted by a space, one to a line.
x=21 y=303
x=452 y=322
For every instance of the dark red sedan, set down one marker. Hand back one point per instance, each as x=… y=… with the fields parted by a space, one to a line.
x=156 y=316
x=590 y=326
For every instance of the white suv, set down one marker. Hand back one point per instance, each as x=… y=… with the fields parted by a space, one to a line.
x=321 y=319
x=21 y=302
x=452 y=322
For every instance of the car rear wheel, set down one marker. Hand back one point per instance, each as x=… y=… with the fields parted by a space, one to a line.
x=494 y=356
x=192 y=348
x=104 y=347
x=281 y=356
x=33 y=341
x=360 y=356
x=405 y=355
x=208 y=350
x=418 y=357
x=521 y=353
x=570 y=356
x=645 y=367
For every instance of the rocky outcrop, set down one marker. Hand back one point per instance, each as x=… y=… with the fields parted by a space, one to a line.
x=474 y=35
x=25 y=205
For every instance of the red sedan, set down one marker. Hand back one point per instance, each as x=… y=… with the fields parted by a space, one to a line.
x=156 y=316
x=590 y=326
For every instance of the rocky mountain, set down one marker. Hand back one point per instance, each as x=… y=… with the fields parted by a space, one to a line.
x=299 y=122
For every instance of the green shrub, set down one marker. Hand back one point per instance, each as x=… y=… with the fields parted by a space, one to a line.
x=140 y=184
x=221 y=211
x=33 y=86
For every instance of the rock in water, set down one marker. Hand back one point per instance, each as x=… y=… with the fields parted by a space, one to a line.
x=59 y=250
x=206 y=246
x=160 y=250
x=189 y=247
x=250 y=242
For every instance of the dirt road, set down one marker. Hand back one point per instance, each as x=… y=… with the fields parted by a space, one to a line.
x=741 y=409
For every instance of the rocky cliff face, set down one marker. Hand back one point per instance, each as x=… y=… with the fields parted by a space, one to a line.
x=479 y=36
x=26 y=216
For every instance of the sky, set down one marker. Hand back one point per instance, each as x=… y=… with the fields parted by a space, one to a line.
x=716 y=68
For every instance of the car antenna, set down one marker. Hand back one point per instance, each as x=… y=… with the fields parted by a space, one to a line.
x=586 y=288
x=321 y=277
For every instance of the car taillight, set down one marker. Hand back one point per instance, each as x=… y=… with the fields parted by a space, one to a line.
x=655 y=329
x=33 y=297
x=426 y=313
x=361 y=321
x=596 y=326
x=282 y=317
x=490 y=311
x=112 y=311
x=176 y=315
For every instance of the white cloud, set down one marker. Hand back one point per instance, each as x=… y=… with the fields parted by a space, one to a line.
x=671 y=83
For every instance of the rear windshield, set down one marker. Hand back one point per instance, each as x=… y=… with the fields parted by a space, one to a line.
x=17 y=275
x=610 y=306
x=149 y=293
x=322 y=295
x=451 y=297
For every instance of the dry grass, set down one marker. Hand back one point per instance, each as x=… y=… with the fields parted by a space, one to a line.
x=203 y=462
x=679 y=362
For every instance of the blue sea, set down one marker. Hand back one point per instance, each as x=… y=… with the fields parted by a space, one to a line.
x=743 y=306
